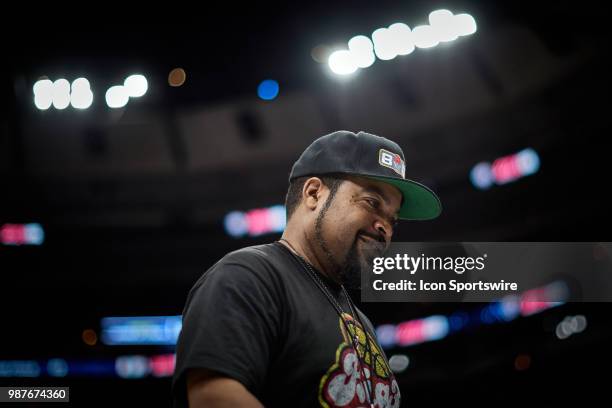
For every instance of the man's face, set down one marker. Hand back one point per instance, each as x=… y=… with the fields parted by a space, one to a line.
x=357 y=226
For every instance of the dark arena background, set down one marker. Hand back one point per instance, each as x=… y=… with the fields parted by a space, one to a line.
x=136 y=152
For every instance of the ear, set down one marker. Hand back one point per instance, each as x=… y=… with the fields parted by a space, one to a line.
x=312 y=192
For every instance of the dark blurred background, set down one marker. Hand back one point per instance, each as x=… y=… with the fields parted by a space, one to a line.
x=116 y=211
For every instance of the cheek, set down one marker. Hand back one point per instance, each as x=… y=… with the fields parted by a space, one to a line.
x=357 y=218
x=338 y=221
x=343 y=224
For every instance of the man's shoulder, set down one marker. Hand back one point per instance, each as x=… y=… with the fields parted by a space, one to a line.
x=265 y=253
x=248 y=267
x=260 y=260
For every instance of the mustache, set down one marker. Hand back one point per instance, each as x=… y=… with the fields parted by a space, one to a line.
x=378 y=237
x=378 y=246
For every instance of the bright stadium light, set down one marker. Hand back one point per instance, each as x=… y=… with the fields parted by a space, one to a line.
x=464 y=24
x=43 y=94
x=81 y=99
x=136 y=85
x=384 y=44
x=401 y=38
x=80 y=83
x=116 y=97
x=342 y=63
x=81 y=96
x=425 y=36
x=61 y=94
x=443 y=23
x=362 y=51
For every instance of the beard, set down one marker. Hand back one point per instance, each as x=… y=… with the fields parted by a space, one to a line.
x=356 y=262
x=359 y=261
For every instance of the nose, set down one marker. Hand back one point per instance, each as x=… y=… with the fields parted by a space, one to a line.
x=384 y=228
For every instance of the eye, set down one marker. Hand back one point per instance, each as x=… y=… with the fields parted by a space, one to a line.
x=372 y=203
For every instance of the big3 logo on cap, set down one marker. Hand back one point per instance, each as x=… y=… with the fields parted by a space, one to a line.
x=393 y=161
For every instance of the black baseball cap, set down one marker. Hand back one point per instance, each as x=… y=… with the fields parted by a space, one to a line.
x=367 y=155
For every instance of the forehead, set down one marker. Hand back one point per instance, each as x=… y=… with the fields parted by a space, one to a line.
x=387 y=191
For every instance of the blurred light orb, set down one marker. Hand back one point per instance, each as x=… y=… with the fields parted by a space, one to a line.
x=384 y=44
x=116 y=97
x=402 y=38
x=89 y=337
x=61 y=94
x=361 y=49
x=43 y=94
x=443 y=23
x=341 y=62
x=136 y=85
x=320 y=53
x=464 y=24
x=425 y=36
x=399 y=363
x=81 y=96
x=268 y=89
x=177 y=77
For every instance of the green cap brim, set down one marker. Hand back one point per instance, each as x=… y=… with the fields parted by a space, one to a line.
x=420 y=203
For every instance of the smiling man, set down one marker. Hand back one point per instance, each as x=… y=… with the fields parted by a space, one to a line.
x=273 y=325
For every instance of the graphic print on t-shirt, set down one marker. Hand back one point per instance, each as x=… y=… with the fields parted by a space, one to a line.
x=344 y=384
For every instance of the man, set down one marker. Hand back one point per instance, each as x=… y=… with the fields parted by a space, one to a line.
x=272 y=325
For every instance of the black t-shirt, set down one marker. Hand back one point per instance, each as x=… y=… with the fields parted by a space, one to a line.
x=257 y=316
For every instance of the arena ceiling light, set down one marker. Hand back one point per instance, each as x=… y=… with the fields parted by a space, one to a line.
x=342 y=62
x=43 y=94
x=81 y=96
x=117 y=97
x=399 y=39
x=61 y=93
x=361 y=51
x=134 y=86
